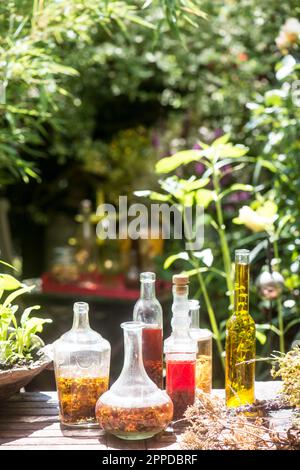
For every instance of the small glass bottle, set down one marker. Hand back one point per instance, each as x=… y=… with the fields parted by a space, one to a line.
x=203 y=338
x=180 y=351
x=81 y=364
x=134 y=407
x=148 y=310
x=240 y=340
x=86 y=254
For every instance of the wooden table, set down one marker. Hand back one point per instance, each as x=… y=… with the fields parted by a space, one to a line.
x=30 y=421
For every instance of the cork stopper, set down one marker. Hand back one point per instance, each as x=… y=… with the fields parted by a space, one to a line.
x=180 y=282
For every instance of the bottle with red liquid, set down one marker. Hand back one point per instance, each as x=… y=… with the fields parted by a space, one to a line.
x=180 y=350
x=148 y=310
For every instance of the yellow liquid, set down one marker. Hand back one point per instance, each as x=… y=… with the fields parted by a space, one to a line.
x=203 y=373
x=240 y=345
x=203 y=358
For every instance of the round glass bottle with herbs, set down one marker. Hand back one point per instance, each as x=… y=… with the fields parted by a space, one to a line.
x=134 y=407
x=81 y=364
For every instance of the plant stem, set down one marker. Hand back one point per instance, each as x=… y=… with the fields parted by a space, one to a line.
x=210 y=310
x=212 y=318
x=279 y=307
x=223 y=238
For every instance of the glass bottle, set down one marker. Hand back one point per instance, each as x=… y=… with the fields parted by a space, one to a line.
x=148 y=310
x=86 y=250
x=180 y=351
x=203 y=338
x=64 y=268
x=81 y=364
x=240 y=340
x=133 y=271
x=134 y=407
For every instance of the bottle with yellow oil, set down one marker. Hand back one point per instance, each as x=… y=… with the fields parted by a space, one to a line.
x=240 y=340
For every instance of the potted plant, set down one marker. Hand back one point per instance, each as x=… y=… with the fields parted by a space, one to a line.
x=21 y=349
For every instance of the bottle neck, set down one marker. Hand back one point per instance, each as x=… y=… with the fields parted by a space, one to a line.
x=133 y=359
x=194 y=314
x=147 y=290
x=241 y=289
x=86 y=227
x=180 y=304
x=181 y=320
x=81 y=321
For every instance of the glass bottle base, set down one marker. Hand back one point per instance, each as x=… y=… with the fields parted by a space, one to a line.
x=134 y=436
x=79 y=425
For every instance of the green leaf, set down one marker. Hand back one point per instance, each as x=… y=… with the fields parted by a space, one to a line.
x=282 y=222
x=221 y=140
x=203 y=145
x=273 y=97
x=202 y=269
x=286 y=67
x=268 y=326
x=261 y=337
x=154 y=196
x=35 y=325
x=61 y=69
x=231 y=151
x=140 y=21
x=204 y=197
x=192 y=184
x=268 y=165
x=10 y=298
x=7 y=264
x=236 y=187
x=26 y=314
x=291 y=324
x=168 y=164
x=143 y=193
x=186 y=200
x=171 y=259
x=8 y=282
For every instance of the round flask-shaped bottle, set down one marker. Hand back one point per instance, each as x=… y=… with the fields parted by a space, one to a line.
x=81 y=364
x=149 y=311
x=134 y=407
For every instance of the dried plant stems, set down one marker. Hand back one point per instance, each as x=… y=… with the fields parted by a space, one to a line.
x=213 y=427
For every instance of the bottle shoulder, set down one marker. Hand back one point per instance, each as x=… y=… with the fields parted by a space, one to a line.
x=82 y=338
x=240 y=320
x=181 y=344
x=148 y=311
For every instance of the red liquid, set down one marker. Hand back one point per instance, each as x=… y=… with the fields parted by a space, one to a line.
x=181 y=385
x=152 y=354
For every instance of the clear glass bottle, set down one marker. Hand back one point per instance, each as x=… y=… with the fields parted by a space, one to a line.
x=81 y=364
x=64 y=268
x=134 y=407
x=180 y=351
x=86 y=254
x=149 y=311
x=240 y=340
x=203 y=338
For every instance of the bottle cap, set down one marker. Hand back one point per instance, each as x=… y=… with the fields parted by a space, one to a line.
x=242 y=256
x=180 y=279
x=180 y=282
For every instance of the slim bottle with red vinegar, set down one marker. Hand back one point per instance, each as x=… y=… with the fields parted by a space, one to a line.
x=180 y=351
x=149 y=311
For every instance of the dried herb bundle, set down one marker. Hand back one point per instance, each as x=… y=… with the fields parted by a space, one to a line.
x=287 y=367
x=213 y=427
